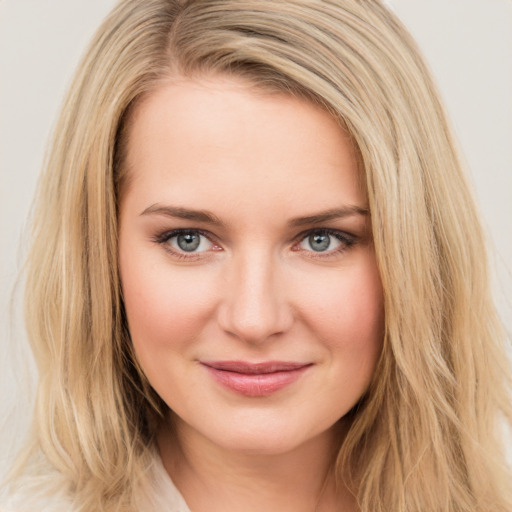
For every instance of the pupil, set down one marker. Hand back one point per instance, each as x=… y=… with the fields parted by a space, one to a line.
x=188 y=242
x=319 y=242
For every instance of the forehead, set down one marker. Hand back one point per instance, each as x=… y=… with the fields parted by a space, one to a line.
x=202 y=137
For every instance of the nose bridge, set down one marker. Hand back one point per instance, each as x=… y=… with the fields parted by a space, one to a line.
x=255 y=305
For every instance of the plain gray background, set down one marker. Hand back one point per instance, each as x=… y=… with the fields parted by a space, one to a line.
x=468 y=44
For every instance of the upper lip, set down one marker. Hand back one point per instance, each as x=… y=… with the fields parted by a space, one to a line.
x=255 y=368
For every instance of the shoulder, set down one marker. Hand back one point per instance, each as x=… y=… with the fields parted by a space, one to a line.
x=44 y=493
x=30 y=498
x=161 y=494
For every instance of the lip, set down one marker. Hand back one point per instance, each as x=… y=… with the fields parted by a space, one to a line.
x=255 y=379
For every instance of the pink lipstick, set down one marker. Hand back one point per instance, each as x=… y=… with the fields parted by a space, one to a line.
x=255 y=379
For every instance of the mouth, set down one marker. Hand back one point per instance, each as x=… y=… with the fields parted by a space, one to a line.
x=255 y=379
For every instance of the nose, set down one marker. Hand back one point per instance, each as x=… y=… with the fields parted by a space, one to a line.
x=254 y=306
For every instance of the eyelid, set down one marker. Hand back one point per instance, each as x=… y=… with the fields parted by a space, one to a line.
x=338 y=233
x=168 y=234
x=165 y=236
x=347 y=240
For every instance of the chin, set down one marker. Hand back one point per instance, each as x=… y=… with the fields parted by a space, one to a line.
x=265 y=436
x=262 y=444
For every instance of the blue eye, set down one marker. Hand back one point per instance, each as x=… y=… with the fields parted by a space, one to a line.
x=189 y=241
x=325 y=241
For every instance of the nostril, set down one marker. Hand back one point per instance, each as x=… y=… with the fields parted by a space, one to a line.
x=254 y=322
x=254 y=307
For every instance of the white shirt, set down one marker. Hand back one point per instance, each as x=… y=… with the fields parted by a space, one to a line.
x=164 y=497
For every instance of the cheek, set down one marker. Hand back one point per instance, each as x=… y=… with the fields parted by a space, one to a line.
x=347 y=314
x=164 y=307
x=349 y=302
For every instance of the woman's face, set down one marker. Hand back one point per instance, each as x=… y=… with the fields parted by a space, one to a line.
x=249 y=277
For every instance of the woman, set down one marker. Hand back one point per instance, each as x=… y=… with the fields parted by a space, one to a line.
x=256 y=276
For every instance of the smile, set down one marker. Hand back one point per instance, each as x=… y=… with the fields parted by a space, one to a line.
x=255 y=379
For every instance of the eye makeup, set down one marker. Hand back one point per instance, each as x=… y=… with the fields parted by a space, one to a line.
x=194 y=244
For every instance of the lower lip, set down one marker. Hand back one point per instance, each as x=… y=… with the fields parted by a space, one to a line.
x=262 y=384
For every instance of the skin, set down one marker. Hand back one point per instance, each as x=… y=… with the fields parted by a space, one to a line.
x=255 y=290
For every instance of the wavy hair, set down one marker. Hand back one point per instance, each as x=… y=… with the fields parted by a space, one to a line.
x=425 y=437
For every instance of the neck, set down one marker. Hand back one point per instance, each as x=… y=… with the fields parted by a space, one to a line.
x=214 y=479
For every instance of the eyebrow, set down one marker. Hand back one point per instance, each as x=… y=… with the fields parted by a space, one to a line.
x=209 y=218
x=336 y=213
x=184 y=213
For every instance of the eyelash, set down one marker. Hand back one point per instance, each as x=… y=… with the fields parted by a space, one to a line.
x=164 y=237
x=347 y=240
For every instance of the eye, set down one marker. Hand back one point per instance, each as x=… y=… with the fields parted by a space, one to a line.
x=320 y=242
x=325 y=241
x=186 y=241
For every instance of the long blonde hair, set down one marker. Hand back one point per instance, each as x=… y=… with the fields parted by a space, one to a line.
x=426 y=435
